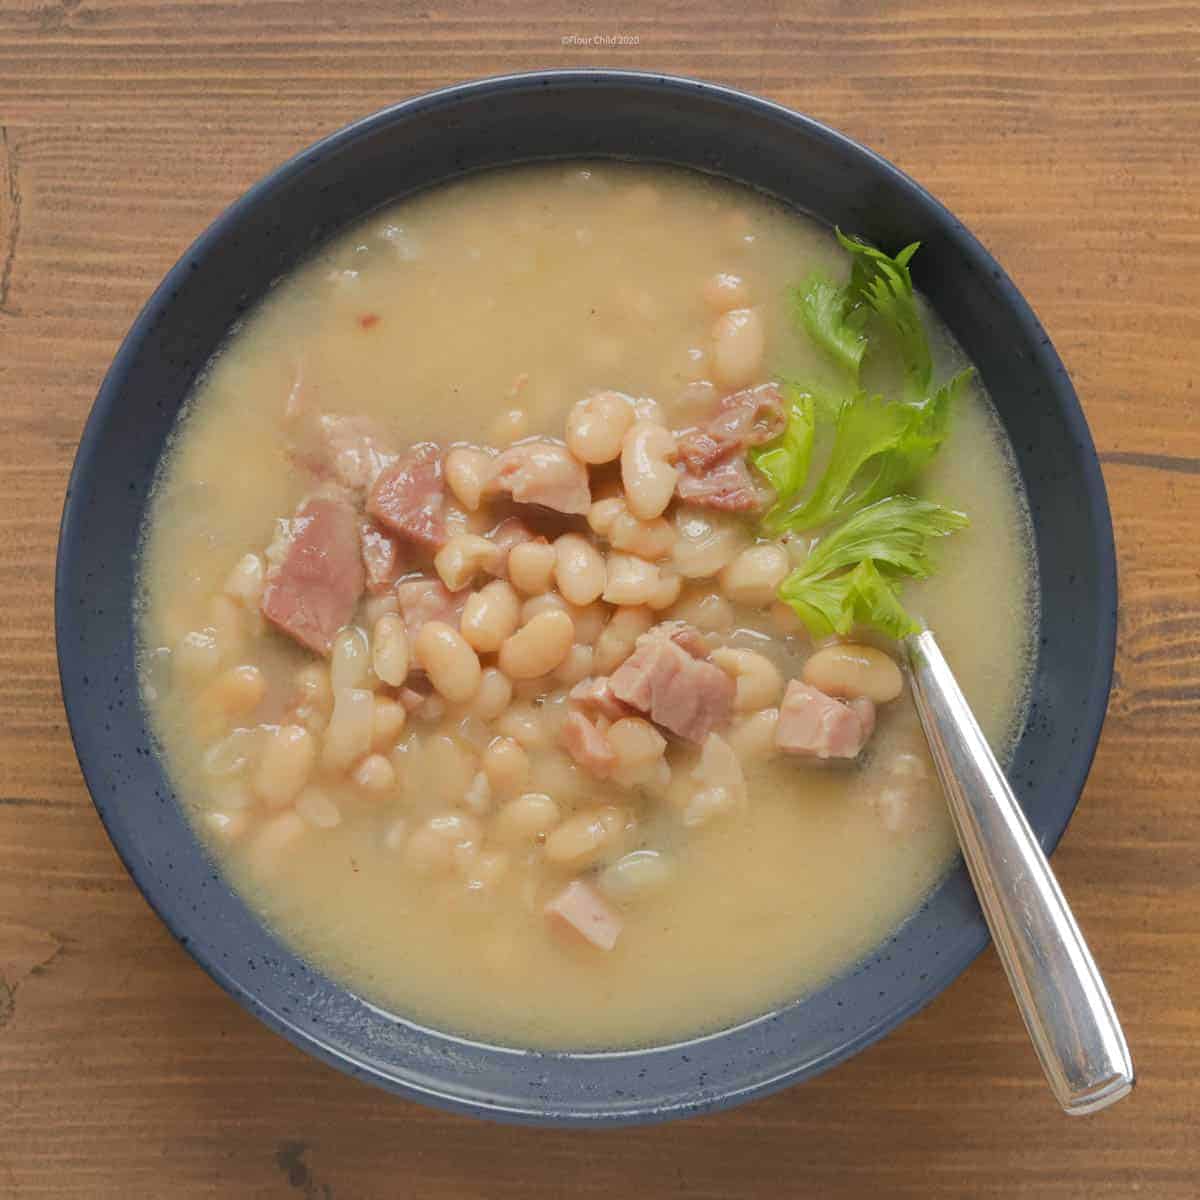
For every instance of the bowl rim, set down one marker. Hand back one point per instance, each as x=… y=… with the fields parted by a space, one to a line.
x=631 y=1109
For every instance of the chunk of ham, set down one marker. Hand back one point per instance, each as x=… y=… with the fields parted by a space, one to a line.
x=674 y=686
x=423 y=600
x=316 y=577
x=819 y=726
x=727 y=485
x=543 y=472
x=382 y=557
x=580 y=908
x=594 y=696
x=744 y=419
x=409 y=497
x=713 y=455
x=585 y=742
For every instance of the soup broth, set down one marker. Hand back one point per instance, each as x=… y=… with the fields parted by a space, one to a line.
x=409 y=861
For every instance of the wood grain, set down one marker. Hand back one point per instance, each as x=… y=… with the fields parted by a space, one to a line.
x=1066 y=134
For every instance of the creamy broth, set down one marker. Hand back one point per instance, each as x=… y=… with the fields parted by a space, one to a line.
x=521 y=292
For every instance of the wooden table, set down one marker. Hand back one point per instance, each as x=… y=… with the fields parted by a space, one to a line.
x=1067 y=135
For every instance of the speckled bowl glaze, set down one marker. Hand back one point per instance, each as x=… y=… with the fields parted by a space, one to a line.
x=415 y=145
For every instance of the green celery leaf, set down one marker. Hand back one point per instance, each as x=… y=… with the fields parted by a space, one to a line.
x=851 y=576
x=826 y=313
x=878 y=448
x=859 y=598
x=784 y=461
x=884 y=285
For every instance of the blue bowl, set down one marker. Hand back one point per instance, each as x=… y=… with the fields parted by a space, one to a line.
x=416 y=145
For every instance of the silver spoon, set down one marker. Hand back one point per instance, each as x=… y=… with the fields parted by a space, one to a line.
x=1062 y=998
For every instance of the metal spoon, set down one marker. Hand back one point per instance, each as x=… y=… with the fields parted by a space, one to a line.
x=1062 y=998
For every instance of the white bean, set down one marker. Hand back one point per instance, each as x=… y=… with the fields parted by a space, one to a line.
x=755 y=575
x=724 y=291
x=604 y=513
x=851 y=671
x=350 y=659
x=753 y=736
x=615 y=643
x=576 y=666
x=635 y=742
x=452 y=666
x=236 y=690
x=494 y=695
x=523 y=723
x=227 y=826
x=546 y=602
x=468 y=472
x=389 y=650
x=506 y=765
x=378 y=606
x=578 y=569
x=709 y=612
x=375 y=774
x=538 y=646
x=443 y=842
x=528 y=818
x=387 y=722
x=464 y=556
x=705 y=542
x=647 y=468
x=197 y=656
x=589 y=621
x=739 y=342
x=246 y=580
x=758 y=681
x=287 y=761
x=531 y=567
x=583 y=838
x=666 y=590
x=597 y=425
x=350 y=730
x=490 y=615
x=632 y=581
x=313 y=686
x=635 y=876
x=232 y=754
x=653 y=539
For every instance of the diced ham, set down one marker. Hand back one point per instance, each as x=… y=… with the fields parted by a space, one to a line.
x=726 y=485
x=595 y=695
x=511 y=532
x=381 y=557
x=686 y=636
x=820 y=726
x=317 y=577
x=424 y=600
x=543 y=472
x=743 y=419
x=713 y=455
x=587 y=745
x=581 y=908
x=409 y=497
x=683 y=693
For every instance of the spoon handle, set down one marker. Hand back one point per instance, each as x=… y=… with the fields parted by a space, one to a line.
x=1059 y=991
